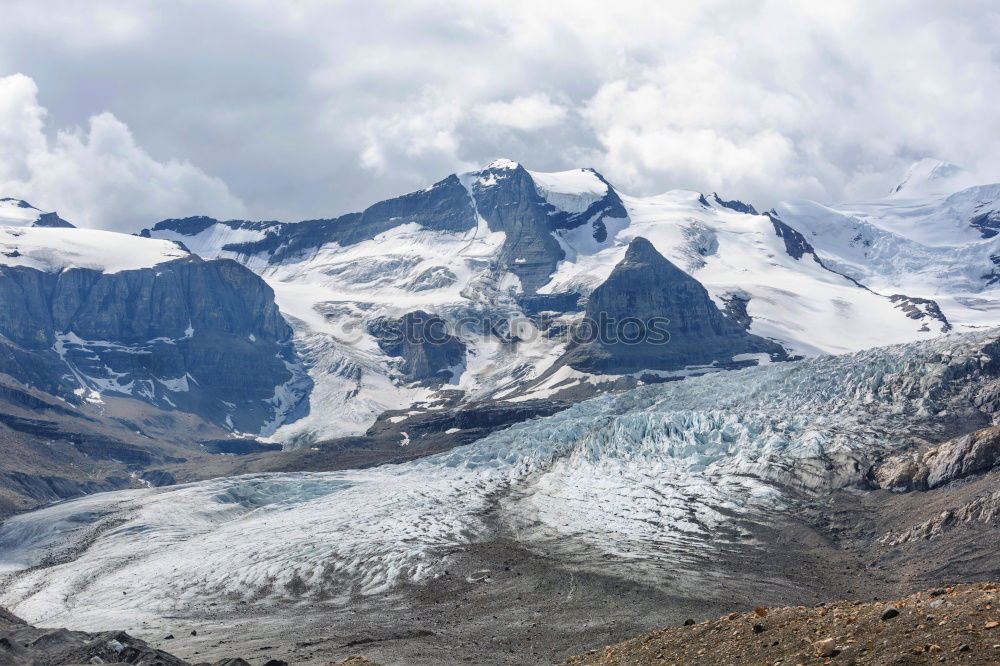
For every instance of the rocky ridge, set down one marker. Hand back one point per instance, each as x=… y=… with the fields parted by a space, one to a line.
x=958 y=624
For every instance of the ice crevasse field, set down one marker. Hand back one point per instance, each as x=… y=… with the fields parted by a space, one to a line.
x=633 y=476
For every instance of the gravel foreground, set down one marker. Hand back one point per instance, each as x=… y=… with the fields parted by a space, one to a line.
x=958 y=624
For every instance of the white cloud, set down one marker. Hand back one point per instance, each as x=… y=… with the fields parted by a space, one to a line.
x=321 y=108
x=424 y=127
x=98 y=176
x=529 y=113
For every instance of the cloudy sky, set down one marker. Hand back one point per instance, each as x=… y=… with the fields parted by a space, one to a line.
x=118 y=114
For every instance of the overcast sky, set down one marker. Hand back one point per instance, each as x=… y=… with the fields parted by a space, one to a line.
x=118 y=114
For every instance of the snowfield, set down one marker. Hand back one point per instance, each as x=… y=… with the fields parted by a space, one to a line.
x=661 y=473
x=58 y=249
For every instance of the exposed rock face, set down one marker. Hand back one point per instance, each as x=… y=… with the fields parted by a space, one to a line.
x=428 y=352
x=735 y=204
x=608 y=206
x=8 y=619
x=53 y=488
x=157 y=478
x=983 y=510
x=508 y=200
x=27 y=212
x=795 y=243
x=52 y=220
x=921 y=308
x=647 y=287
x=957 y=458
x=736 y=309
x=504 y=194
x=200 y=336
x=987 y=224
x=24 y=645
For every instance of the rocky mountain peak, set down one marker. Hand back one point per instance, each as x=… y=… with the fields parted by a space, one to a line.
x=647 y=288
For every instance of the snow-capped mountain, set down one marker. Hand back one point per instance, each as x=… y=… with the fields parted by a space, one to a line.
x=512 y=263
x=483 y=249
x=18 y=213
x=584 y=461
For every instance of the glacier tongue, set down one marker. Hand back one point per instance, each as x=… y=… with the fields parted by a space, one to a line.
x=660 y=470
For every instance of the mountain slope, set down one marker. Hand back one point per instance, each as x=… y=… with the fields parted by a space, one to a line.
x=512 y=262
x=938 y=247
x=956 y=623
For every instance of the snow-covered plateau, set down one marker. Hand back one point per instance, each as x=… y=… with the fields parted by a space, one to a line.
x=659 y=475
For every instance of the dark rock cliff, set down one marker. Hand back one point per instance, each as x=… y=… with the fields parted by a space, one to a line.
x=508 y=199
x=427 y=352
x=200 y=336
x=509 y=202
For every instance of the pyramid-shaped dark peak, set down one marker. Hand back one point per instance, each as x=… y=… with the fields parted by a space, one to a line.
x=646 y=284
x=645 y=287
x=641 y=250
x=643 y=254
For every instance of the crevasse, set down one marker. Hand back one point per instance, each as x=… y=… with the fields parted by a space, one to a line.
x=659 y=469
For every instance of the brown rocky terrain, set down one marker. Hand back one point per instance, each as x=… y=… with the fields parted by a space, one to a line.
x=24 y=645
x=958 y=624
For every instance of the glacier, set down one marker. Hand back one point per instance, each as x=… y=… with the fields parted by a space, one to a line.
x=653 y=477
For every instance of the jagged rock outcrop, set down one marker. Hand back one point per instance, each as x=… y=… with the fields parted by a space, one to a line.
x=954 y=459
x=200 y=336
x=736 y=309
x=796 y=244
x=983 y=510
x=427 y=351
x=735 y=204
x=8 y=619
x=21 y=213
x=647 y=288
x=504 y=194
x=24 y=645
x=920 y=309
x=987 y=224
